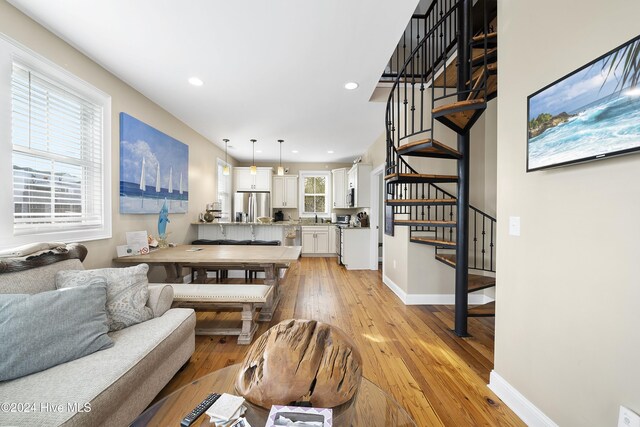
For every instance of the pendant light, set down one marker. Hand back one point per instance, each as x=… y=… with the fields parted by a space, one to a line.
x=254 y=169
x=280 y=168
x=225 y=169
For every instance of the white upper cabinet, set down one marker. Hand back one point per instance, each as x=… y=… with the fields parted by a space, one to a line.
x=243 y=180
x=359 y=177
x=285 y=192
x=339 y=183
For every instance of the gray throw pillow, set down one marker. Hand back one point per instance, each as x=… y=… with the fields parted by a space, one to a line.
x=43 y=330
x=127 y=292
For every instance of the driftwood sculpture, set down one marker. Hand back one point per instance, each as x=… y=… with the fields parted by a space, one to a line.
x=301 y=360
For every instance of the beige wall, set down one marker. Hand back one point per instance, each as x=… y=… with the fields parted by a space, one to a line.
x=202 y=153
x=567 y=302
x=375 y=154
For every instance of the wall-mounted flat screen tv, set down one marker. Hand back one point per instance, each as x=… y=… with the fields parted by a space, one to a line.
x=592 y=113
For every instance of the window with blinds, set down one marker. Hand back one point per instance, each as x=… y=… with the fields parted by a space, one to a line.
x=57 y=156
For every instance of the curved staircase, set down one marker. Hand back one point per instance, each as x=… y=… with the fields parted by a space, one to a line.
x=449 y=76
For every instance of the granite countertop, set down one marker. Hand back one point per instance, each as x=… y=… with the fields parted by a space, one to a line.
x=278 y=224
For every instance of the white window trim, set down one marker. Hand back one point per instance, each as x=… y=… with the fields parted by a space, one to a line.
x=327 y=190
x=11 y=51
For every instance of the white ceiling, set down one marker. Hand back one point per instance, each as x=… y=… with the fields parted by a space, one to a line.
x=272 y=69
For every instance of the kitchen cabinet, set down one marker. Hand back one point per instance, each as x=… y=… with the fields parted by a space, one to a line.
x=359 y=178
x=243 y=180
x=355 y=248
x=333 y=239
x=285 y=192
x=315 y=240
x=339 y=186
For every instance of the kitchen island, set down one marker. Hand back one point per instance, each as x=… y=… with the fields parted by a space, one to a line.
x=287 y=232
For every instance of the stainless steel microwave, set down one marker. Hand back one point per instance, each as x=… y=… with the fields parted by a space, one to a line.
x=343 y=219
x=351 y=197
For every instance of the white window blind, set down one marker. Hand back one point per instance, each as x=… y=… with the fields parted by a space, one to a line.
x=57 y=156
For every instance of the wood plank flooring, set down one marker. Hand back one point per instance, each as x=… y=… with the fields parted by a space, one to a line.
x=408 y=351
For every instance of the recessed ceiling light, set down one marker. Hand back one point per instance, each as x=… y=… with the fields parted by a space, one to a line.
x=294 y=151
x=330 y=151
x=195 y=81
x=258 y=151
x=351 y=85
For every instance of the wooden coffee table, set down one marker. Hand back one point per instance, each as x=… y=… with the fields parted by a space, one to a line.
x=372 y=407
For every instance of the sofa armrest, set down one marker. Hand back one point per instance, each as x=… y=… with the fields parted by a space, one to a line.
x=160 y=298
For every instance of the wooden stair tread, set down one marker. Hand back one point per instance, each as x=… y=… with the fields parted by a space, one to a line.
x=485 y=310
x=449 y=259
x=477 y=282
x=427 y=147
x=433 y=242
x=479 y=93
x=478 y=54
x=424 y=222
x=460 y=115
x=458 y=104
x=481 y=37
x=419 y=202
x=420 y=177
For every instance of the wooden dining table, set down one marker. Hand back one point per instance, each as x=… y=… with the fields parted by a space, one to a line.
x=271 y=259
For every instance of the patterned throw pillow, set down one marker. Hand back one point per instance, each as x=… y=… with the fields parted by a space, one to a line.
x=127 y=292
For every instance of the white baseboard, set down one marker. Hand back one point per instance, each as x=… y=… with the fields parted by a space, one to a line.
x=431 y=299
x=395 y=288
x=444 y=299
x=519 y=404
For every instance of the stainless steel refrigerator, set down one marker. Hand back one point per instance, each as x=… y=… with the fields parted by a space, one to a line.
x=251 y=205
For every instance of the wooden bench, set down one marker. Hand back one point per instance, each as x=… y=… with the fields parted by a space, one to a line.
x=221 y=298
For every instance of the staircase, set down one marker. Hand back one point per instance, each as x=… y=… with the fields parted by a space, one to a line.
x=448 y=77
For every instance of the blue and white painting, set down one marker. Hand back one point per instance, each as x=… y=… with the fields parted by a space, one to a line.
x=153 y=167
x=592 y=113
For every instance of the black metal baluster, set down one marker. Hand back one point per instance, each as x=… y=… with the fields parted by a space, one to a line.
x=491 y=249
x=483 y=239
x=475 y=238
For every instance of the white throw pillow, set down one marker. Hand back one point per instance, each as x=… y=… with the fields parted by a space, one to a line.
x=127 y=292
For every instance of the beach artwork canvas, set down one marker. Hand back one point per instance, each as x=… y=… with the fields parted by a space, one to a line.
x=592 y=113
x=154 y=167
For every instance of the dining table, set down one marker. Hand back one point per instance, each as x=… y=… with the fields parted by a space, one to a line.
x=200 y=258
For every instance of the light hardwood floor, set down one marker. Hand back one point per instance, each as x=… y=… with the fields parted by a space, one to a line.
x=409 y=351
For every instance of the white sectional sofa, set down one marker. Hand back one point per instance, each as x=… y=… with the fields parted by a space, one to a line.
x=109 y=387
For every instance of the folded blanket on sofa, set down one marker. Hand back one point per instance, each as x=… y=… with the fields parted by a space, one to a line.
x=32 y=249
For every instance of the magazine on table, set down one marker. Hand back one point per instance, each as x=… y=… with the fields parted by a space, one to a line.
x=298 y=416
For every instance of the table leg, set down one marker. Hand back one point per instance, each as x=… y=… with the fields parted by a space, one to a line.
x=174 y=271
x=271 y=278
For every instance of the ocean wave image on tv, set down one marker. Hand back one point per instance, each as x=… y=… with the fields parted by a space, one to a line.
x=593 y=113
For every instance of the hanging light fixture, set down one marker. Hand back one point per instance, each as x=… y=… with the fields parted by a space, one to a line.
x=254 y=169
x=280 y=168
x=225 y=169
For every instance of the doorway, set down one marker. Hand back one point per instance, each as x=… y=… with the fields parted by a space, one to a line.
x=376 y=257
